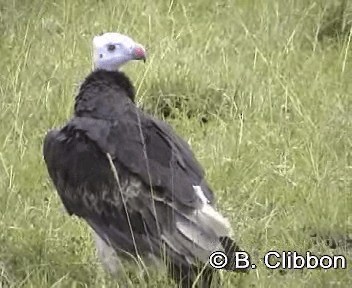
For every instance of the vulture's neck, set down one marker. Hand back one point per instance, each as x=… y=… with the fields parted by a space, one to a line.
x=102 y=93
x=106 y=67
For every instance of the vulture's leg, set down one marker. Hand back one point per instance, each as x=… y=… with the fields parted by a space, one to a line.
x=113 y=265
x=108 y=256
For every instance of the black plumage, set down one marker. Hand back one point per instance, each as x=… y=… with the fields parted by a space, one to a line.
x=131 y=178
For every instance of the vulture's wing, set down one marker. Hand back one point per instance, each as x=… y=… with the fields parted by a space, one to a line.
x=149 y=149
x=146 y=154
x=77 y=163
x=183 y=149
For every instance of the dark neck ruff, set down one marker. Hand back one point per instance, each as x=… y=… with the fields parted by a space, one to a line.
x=109 y=78
x=100 y=94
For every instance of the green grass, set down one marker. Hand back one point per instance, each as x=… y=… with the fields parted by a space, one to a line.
x=273 y=79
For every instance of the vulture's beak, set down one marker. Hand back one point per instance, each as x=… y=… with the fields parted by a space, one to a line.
x=139 y=53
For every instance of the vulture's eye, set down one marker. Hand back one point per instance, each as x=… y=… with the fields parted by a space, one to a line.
x=111 y=47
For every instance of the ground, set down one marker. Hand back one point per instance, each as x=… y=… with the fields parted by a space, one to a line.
x=260 y=89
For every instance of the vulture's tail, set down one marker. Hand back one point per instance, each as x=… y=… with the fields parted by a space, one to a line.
x=196 y=237
x=231 y=248
x=204 y=276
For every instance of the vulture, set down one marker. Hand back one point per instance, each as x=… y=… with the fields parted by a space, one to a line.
x=131 y=178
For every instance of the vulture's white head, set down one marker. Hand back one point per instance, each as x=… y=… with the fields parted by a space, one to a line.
x=112 y=50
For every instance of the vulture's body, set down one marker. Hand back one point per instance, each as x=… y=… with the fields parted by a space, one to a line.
x=134 y=181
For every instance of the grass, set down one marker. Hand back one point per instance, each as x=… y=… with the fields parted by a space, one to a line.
x=272 y=79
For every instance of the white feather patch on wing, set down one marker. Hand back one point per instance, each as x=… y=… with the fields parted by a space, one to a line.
x=216 y=220
x=198 y=237
x=200 y=194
